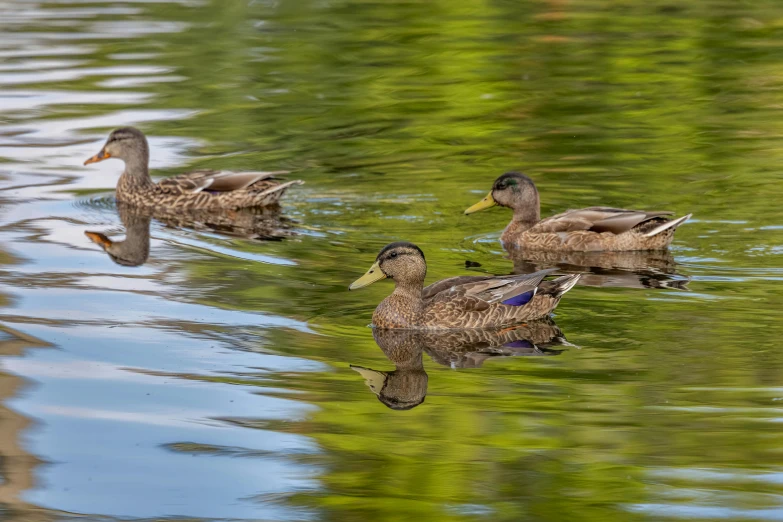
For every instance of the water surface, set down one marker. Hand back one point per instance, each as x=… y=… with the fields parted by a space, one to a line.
x=218 y=379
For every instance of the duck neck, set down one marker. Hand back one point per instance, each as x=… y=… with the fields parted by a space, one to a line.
x=137 y=175
x=525 y=216
x=408 y=290
x=402 y=308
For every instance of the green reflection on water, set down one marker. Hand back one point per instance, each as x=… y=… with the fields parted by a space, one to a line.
x=398 y=115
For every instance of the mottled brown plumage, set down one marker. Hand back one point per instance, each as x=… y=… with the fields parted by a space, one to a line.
x=587 y=229
x=457 y=302
x=134 y=250
x=199 y=190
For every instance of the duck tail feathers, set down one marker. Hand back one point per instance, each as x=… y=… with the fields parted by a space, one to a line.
x=565 y=283
x=674 y=223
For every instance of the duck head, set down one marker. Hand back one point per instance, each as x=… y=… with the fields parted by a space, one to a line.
x=128 y=144
x=513 y=190
x=401 y=261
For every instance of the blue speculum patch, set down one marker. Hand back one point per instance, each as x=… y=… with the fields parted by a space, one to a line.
x=519 y=343
x=519 y=300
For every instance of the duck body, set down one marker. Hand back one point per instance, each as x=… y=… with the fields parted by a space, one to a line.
x=582 y=231
x=467 y=302
x=192 y=191
x=458 y=302
x=594 y=229
x=198 y=190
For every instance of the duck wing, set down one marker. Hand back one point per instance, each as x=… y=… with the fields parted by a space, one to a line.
x=477 y=292
x=596 y=219
x=216 y=181
x=446 y=284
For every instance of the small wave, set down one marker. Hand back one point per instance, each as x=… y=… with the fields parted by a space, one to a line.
x=96 y=203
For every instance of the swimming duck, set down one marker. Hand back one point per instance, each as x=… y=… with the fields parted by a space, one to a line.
x=202 y=189
x=587 y=229
x=457 y=302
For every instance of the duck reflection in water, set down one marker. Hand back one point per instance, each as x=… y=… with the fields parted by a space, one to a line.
x=637 y=269
x=259 y=223
x=134 y=250
x=405 y=387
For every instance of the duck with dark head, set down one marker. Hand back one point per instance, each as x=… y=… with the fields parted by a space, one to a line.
x=587 y=229
x=203 y=189
x=457 y=302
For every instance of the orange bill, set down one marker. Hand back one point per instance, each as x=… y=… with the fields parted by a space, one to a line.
x=98 y=238
x=102 y=155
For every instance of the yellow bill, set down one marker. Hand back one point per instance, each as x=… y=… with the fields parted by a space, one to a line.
x=485 y=203
x=102 y=155
x=373 y=274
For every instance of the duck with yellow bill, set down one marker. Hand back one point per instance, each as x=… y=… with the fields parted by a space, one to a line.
x=457 y=302
x=587 y=229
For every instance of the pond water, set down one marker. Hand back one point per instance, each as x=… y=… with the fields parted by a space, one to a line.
x=225 y=377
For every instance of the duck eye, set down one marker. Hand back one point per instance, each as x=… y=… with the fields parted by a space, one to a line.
x=393 y=254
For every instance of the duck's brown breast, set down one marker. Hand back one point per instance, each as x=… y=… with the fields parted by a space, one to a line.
x=397 y=312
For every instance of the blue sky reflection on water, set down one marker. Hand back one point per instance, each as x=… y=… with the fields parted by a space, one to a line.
x=214 y=380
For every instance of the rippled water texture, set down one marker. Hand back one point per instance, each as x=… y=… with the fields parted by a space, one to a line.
x=218 y=376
